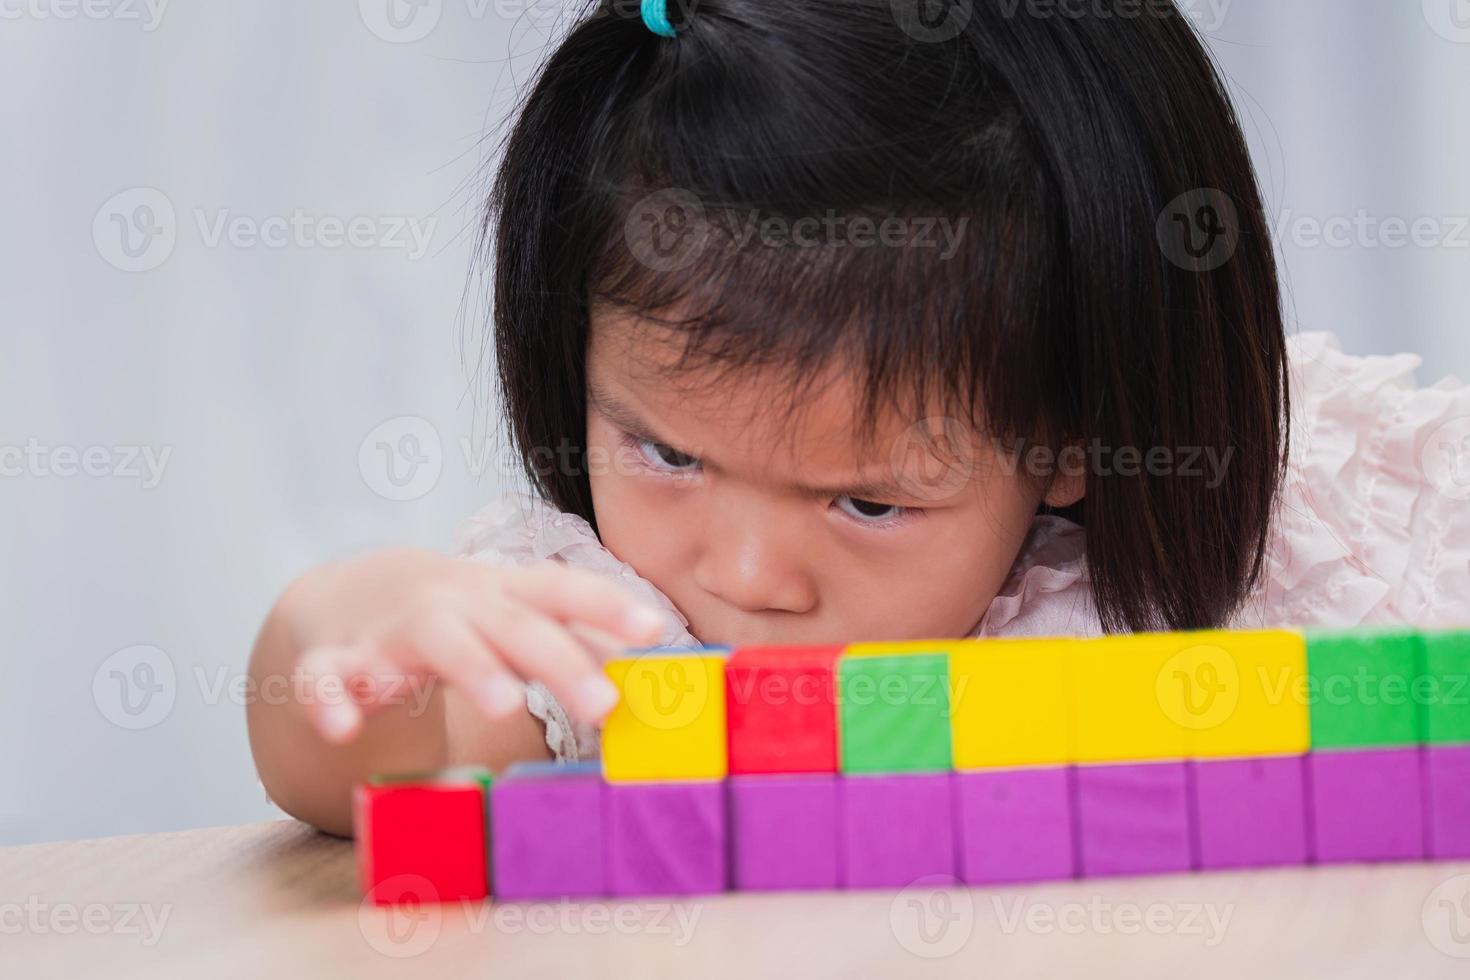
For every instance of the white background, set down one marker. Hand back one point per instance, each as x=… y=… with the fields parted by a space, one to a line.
x=261 y=370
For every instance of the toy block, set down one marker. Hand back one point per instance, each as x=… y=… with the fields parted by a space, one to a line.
x=670 y=721
x=900 y=648
x=1447 y=800
x=1251 y=813
x=1360 y=689
x=665 y=838
x=1008 y=702
x=421 y=837
x=894 y=713
x=1366 y=805
x=1446 y=694
x=896 y=829
x=1240 y=693
x=1015 y=825
x=783 y=832
x=546 y=832
x=1126 y=706
x=780 y=703
x=1134 y=819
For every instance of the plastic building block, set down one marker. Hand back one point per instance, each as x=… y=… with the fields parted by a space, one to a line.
x=421 y=837
x=783 y=832
x=1134 y=819
x=1126 y=707
x=1446 y=695
x=1008 y=702
x=896 y=829
x=894 y=713
x=782 y=711
x=1361 y=690
x=1241 y=693
x=900 y=648
x=546 y=832
x=1251 y=812
x=1447 y=800
x=665 y=838
x=670 y=722
x=1015 y=825
x=1367 y=805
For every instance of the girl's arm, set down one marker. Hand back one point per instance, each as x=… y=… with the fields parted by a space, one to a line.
x=407 y=660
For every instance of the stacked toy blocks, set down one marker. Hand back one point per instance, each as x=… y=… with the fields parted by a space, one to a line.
x=988 y=761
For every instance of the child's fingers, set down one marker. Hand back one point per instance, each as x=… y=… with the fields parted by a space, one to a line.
x=539 y=648
x=332 y=689
x=447 y=644
x=577 y=595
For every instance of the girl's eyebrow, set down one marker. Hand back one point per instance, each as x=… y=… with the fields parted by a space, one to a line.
x=625 y=417
x=622 y=415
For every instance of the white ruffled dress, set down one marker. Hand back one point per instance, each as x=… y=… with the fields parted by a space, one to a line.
x=1373 y=525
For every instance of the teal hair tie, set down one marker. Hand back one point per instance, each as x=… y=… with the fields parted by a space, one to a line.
x=656 y=16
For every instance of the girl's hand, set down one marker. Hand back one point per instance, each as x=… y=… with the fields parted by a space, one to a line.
x=486 y=630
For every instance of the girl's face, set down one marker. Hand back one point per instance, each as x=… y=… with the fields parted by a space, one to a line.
x=762 y=528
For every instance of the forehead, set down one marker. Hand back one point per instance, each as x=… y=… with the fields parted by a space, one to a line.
x=755 y=414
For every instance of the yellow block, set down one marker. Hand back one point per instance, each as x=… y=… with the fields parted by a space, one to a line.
x=1126 y=705
x=1009 y=702
x=900 y=648
x=1240 y=693
x=670 y=722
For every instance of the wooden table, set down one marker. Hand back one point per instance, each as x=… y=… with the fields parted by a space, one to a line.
x=277 y=900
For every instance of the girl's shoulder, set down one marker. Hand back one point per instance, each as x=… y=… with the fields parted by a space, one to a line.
x=1372 y=525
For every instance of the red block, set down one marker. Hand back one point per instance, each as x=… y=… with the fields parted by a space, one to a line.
x=422 y=839
x=781 y=709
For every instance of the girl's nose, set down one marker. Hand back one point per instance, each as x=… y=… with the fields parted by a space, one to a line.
x=755 y=566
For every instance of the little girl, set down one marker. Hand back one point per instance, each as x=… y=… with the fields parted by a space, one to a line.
x=822 y=321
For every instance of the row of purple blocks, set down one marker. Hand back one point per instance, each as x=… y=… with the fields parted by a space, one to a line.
x=564 y=832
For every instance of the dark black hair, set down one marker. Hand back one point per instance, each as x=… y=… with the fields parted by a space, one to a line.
x=1114 y=283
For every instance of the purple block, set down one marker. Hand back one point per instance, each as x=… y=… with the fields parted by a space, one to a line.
x=896 y=829
x=665 y=838
x=1251 y=813
x=1366 y=805
x=1015 y=825
x=784 y=832
x=1134 y=819
x=1447 y=795
x=546 y=833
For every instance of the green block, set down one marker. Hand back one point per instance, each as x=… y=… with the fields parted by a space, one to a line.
x=1361 y=688
x=894 y=713
x=452 y=776
x=1447 y=687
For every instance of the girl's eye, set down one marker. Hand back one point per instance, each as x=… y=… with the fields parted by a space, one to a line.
x=664 y=457
x=868 y=512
